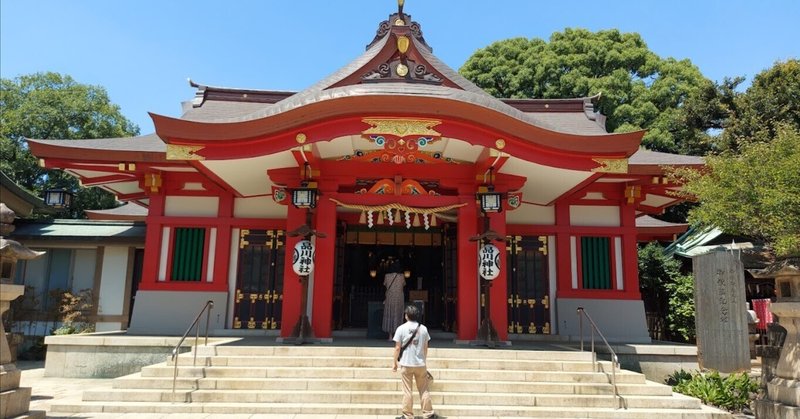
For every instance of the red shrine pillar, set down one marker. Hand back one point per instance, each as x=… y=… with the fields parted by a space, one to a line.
x=630 y=253
x=467 y=307
x=324 y=266
x=152 y=246
x=563 y=251
x=290 y=312
x=223 y=246
x=498 y=292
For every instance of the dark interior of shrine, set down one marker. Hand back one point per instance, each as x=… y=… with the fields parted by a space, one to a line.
x=366 y=257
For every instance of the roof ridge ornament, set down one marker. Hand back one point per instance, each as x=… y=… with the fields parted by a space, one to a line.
x=400 y=20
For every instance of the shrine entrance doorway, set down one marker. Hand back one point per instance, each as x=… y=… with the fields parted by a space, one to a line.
x=428 y=258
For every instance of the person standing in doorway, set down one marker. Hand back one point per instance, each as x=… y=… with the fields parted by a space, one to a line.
x=410 y=353
x=395 y=282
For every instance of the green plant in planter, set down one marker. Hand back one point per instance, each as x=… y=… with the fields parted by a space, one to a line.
x=732 y=392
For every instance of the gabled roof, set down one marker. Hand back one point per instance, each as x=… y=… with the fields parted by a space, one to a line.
x=20 y=200
x=129 y=211
x=397 y=71
x=80 y=230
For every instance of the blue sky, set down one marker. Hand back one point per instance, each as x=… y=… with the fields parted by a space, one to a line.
x=143 y=51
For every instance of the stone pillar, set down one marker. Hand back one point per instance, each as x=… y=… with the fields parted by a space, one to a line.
x=783 y=390
x=14 y=400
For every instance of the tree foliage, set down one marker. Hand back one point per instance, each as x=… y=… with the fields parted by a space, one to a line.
x=771 y=101
x=55 y=106
x=655 y=271
x=753 y=193
x=667 y=292
x=639 y=90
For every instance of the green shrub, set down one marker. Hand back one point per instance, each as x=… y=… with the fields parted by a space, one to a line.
x=733 y=392
x=681 y=307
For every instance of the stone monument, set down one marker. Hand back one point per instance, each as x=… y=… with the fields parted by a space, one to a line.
x=721 y=313
x=782 y=399
x=14 y=400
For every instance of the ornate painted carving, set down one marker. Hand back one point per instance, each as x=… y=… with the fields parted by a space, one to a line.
x=400 y=21
x=514 y=200
x=402 y=70
x=184 y=152
x=611 y=165
x=402 y=127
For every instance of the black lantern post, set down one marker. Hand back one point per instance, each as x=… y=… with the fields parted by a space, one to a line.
x=488 y=261
x=304 y=197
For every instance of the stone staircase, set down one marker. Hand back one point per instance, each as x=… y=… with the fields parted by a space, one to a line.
x=322 y=379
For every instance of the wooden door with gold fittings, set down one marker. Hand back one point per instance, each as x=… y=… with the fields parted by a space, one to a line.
x=259 y=280
x=528 y=285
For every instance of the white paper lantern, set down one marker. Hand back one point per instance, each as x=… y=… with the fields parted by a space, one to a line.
x=489 y=262
x=303 y=258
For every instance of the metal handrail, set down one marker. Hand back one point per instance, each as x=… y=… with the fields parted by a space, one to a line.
x=614 y=359
x=207 y=309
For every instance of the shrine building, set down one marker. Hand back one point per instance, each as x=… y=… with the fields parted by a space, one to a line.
x=393 y=157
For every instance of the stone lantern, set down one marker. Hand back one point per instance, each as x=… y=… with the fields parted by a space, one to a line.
x=14 y=401
x=783 y=389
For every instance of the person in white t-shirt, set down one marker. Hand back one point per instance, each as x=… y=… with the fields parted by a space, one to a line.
x=414 y=337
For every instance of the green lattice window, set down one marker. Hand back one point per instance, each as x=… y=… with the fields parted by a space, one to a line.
x=187 y=257
x=596 y=262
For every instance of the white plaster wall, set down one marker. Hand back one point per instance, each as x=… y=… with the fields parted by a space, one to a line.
x=232 y=271
x=83 y=270
x=191 y=206
x=591 y=215
x=162 y=258
x=112 y=280
x=258 y=207
x=211 y=257
x=532 y=214
x=619 y=320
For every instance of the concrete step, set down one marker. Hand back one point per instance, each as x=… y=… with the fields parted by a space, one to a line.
x=389 y=408
x=336 y=398
x=433 y=353
x=393 y=384
x=382 y=361
x=359 y=381
x=161 y=370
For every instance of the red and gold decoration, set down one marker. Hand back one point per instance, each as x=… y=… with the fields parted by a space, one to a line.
x=400 y=141
x=387 y=187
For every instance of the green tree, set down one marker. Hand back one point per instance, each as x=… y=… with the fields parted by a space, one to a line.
x=754 y=193
x=680 y=319
x=772 y=100
x=655 y=271
x=54 y=106
x=666 y=292
x=639 y=90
